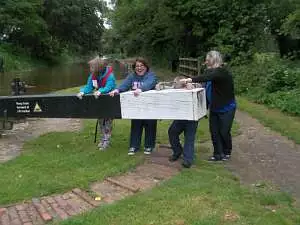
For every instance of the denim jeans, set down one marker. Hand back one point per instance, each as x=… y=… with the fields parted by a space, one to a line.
x=189 y=128
x=137 y=131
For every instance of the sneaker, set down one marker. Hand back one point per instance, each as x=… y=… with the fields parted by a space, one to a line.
x=104 y=145
x=132 y=151
x=186 y=164
x=214 y=159
x=148 y=151
x=100 y=145
x=226 y=157
x=174 y=158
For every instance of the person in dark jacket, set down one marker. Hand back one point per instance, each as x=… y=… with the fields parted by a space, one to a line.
x=222 y=105
x=143 y=79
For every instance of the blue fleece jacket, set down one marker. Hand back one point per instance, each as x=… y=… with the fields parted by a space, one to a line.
x=226 y=108
x=208 y=91
x=109 y=86
x=134 y=81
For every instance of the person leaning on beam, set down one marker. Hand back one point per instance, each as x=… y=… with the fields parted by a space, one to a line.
x=222 y=105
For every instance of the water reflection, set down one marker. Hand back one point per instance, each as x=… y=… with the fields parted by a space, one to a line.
x=45 y=80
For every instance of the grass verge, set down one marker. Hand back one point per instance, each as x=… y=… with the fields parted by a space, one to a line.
x=59 y=161
x=204 y=195
x=287 y=125
x=17 y=61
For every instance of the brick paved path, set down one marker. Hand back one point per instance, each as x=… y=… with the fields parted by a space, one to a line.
x=39 y=211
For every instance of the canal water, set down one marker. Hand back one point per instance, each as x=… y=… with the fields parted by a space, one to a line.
x=49 y=79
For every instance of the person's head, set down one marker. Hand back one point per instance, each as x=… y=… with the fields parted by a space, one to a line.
x=214 y=59
x=141 y=66
x=177 y=84
x=97 y=65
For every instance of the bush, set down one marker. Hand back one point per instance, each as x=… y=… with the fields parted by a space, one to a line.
x=269 y=80
x=280 y=78
x=15 y=59
x=286 y=101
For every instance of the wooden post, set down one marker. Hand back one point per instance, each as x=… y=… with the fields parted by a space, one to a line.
x=189 y=66
x=199 y=67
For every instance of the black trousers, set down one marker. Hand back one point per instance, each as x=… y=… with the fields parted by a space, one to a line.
x=189 y=128
x=136 y=132
x=220 y=124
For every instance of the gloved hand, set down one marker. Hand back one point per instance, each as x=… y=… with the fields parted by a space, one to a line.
x=80 y=95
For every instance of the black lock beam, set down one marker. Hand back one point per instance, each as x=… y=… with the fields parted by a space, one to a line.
x=60 y=106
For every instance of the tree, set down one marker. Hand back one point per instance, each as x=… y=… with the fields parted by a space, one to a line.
x=291 y=24
x=190 y=27
x=21 y=23
x=76 y=22
x=46 y=28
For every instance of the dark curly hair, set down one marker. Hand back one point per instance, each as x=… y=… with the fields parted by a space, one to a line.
x=143 y=61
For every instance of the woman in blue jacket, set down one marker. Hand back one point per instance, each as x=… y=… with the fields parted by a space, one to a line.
x=143 y=79
x=101 y=80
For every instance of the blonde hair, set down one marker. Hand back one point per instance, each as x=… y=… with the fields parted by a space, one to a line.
x=215 y=59
x=98 y=63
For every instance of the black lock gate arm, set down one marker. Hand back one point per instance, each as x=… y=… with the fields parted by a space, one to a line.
x=60 y=106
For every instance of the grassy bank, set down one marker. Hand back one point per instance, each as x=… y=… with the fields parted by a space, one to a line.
x=15 y=60
x=57 y=162
x=285 y=124
x=205 y=195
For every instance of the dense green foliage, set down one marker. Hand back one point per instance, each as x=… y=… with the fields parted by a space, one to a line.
x=249 y=30
x=17 y=61
x=163 y=30
x=271 y=81
x=47 y=29
x=291 y=24
x=168 y=28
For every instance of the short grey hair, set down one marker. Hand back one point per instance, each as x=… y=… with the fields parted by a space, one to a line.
x=215 y=58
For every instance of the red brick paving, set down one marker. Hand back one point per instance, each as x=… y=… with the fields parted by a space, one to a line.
x=40 y=211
